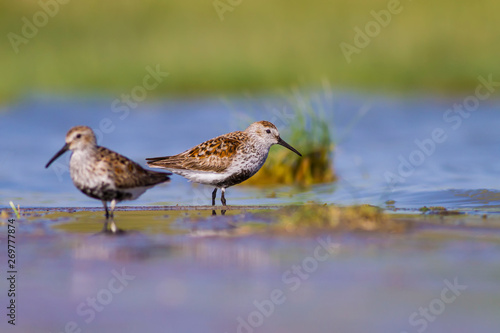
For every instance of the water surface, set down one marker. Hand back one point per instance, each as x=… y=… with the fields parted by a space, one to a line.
x=376 y=143
x=184 y=270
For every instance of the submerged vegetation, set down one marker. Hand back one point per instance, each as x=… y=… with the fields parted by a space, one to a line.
x=306 y=130
x=438 y=210
x=364 y=218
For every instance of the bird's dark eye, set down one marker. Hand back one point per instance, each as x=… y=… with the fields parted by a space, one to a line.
x=268 y=131
x=78 y=136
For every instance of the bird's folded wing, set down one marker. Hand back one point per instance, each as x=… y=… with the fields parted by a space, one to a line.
x=214 y=155
x=127 y=173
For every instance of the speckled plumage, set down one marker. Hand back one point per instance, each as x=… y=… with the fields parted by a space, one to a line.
x=226 y=160
x=104 y=174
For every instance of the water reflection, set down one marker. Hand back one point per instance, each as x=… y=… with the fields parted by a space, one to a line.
x=229 y=253
x=130 y=247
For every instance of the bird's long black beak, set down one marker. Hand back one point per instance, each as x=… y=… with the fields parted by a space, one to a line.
x=59 y=153
x=282 y=142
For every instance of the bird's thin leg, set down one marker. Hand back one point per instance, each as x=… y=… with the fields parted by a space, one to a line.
x=112 y=226
x=105 y=204
x=214 y=193
x=222 y=198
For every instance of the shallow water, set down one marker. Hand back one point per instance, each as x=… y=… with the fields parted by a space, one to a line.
x=189 y=271
x=372 y=134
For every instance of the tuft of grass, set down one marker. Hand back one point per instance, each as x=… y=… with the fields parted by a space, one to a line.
x=364 y=218
x=16 y=211
x=309 y=133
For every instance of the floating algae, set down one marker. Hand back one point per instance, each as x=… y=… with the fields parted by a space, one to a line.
x=364 y=218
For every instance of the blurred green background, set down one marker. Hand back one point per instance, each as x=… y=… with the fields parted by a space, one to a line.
x=104 y=46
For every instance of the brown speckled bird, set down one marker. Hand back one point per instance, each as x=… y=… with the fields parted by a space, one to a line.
x=103 y=174
x=226 y=160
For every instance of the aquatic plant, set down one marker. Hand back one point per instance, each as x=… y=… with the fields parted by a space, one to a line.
x=438 y=210
x=307 y=130
x=351 y=218
x=17 y=211
x=4 y=215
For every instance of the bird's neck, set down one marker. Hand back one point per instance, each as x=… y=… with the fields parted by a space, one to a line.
x=81 y=158
x=259 y=144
